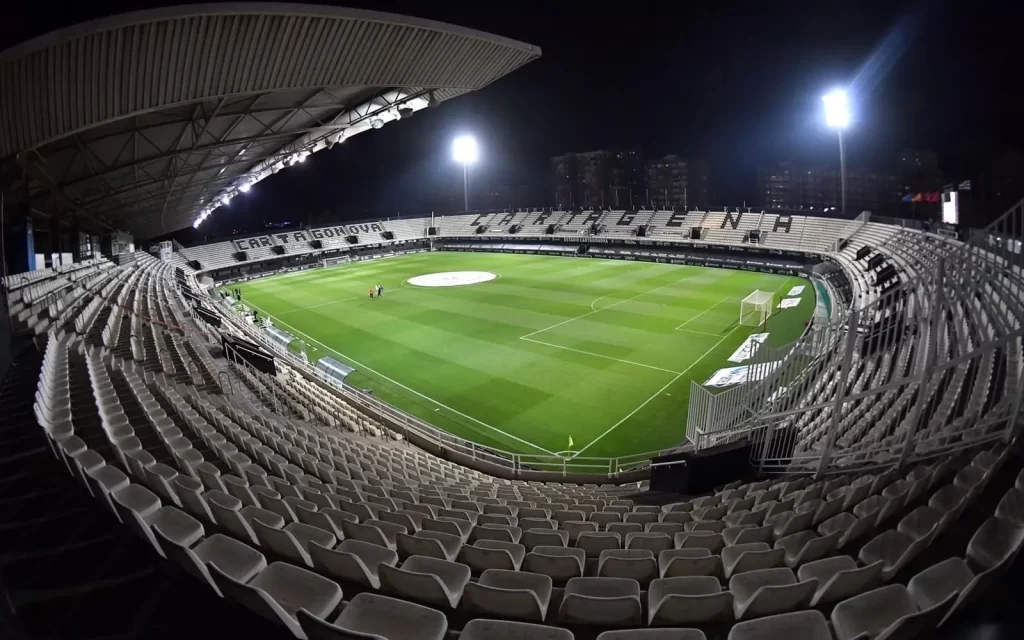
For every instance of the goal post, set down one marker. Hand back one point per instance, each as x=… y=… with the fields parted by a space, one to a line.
x=756 y=308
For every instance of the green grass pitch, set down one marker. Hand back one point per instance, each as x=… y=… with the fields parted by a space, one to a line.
x=602 y=351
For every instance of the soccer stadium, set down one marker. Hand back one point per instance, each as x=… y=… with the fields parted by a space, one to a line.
x=527 y=423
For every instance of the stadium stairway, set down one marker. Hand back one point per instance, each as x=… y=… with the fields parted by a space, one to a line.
x=70 y=570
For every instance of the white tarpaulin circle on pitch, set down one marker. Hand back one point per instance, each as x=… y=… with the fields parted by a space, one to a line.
x=452 y=278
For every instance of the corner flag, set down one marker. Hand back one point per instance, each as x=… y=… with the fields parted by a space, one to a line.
x=570 y=442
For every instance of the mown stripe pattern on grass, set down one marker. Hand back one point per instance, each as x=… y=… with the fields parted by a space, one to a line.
x=601 y=336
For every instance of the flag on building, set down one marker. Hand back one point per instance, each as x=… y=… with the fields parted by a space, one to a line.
x=908 y=198
x=933 y=196
x=965 y=185
x=917 y=198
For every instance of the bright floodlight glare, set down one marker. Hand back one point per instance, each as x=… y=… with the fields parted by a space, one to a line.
x=837 y=109
x=245 y=187
x=464 y=149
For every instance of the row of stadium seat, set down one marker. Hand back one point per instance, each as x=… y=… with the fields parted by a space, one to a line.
x=799 y=233
x=294 y=503
x=739 y=559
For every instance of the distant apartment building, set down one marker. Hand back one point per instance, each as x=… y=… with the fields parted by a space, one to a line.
x=918 y=171
x=620 y=179
x=606 y=178
x=796 y=186
x=675 y=181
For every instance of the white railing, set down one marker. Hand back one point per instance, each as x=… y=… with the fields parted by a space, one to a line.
x=406 y=424
x=931 y=366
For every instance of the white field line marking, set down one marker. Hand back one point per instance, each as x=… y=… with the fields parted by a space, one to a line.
x=705 y=311
x=658 y=392
x=593 y=311
x=598 y=355
x=410 y=390
x=703 y=333
x=670 y=382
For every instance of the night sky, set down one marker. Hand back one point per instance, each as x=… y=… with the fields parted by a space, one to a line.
x=736 y=83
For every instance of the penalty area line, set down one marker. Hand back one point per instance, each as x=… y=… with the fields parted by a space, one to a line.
x=658 y=392
x=409 y=389
x=680 y=327
x=594 y=310
x=598 y=355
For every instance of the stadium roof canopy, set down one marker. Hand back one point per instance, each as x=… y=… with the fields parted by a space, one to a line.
x=145 y=121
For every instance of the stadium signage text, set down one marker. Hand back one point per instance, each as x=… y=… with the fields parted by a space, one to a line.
x=306 y=235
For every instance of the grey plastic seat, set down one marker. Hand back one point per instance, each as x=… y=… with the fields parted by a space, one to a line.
x=481 y=629
x=700 y=540
x=369 y=532
x=505 y=533
x=611 y=602
x=798 y=625
x=576 y=527
x=326 y=518
x=623 y=529
x=373 y=616
x=768 y=592
x=653 y=542
x=594 y=543
x=292 y=541
x=235 y=559
x=893 y=549
x=806 y=546
x=950 y=501
x=411 y=520
x=789 y=522
x=134 y=501
x=519 y=595
x=280 y=591
x=742 y=534
x=887 y=613
x=840 y=578
x=544 y=538
x=560 y=563
x=674 y=563
x=713 y=526
x=936 y=583
x=492 y=554
x=641 y=517
x=688 y=600
x=921 y=522
x=433 y=544
x=995 y=541
x=668 y=528
x=429 y=580
x=740 y=518
x=352 y=560
x=653 y=634
x=676 y=517
x=636 y=564
x=752 y=556
x=849 y=526
x=106 y=479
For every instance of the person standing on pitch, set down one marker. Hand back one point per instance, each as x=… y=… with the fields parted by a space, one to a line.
x=380 y=291
x=371 y=293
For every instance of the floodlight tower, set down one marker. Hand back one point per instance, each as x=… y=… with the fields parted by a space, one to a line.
x=837 y=116
x=464 y=151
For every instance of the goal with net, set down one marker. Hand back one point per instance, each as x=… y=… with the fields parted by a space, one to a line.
x=755 y=308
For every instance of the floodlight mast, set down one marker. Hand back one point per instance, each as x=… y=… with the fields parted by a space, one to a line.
x=465 y=152
x=837 y=116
